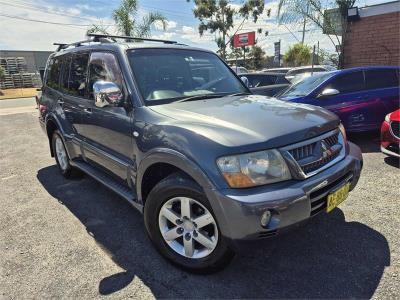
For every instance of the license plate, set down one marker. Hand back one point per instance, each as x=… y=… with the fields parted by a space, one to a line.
x=337 y=197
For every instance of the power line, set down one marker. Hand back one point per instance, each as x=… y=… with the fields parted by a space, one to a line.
x=46 y=22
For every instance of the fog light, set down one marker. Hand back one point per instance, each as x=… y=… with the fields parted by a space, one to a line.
x=265 y=218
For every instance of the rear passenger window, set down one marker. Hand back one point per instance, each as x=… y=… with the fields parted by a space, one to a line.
x=78 y=74
x=104 y=66
x=65 y=74
x=381 y=78
x=348 y=83
x=53 y=75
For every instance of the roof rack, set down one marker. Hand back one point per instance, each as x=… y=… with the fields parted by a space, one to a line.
x=107 y=38
x=97 y=36
x=62 y=46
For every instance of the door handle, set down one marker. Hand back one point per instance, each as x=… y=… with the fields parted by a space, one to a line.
x=87 y=110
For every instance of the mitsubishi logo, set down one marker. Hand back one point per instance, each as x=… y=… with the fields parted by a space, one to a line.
x=326 y=150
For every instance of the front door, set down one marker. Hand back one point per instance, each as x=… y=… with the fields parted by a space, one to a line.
x=107 y=130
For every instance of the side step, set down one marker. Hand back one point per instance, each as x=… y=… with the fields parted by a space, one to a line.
x=109 y=182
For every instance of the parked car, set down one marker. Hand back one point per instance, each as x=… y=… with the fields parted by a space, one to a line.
x=267 y=84
x=361 y=97
x=390 y=134
x=277 y=70
x=210 y=165
x=240 y=70
x=292 y=73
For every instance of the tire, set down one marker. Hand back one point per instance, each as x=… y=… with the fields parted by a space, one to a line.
x=62 y=162
x=175 y=190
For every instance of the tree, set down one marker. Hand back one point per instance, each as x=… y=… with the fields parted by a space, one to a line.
x=125 y=18
x=297 y=55
x=257 y=58
x=290 y=11
x=216 y=16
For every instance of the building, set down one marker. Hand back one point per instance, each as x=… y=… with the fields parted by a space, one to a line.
x=35 y=61
x=374 y=38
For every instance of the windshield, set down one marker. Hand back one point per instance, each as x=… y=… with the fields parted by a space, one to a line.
x=306 y=86
x=168 y=75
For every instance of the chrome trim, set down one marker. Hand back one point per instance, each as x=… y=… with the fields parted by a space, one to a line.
x=388 y=152
x=295 y=166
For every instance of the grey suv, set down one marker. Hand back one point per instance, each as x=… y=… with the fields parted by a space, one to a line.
x=175 y=132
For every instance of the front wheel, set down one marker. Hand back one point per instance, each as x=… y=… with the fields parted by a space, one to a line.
x=181 y=225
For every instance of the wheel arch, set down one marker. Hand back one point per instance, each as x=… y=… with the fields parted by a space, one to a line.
x=170 y=161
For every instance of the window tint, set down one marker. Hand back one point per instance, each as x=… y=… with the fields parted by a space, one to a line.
x=65 y=74
x=104 y=66
x=53 y=75
x=381 y=78
x=348 y=83
x=281 y=79
x=260 y=80
x=77 y=75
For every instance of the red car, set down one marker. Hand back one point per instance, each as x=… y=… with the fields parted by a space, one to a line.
x=390 y=137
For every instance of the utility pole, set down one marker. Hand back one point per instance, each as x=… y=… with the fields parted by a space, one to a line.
x=313 y=58
x=305 y=23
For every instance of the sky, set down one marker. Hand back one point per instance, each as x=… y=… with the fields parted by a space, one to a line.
x=23 y=27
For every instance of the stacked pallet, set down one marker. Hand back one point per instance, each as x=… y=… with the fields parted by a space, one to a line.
x=16 y=75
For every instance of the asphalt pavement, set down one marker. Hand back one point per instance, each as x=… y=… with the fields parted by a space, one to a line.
x=76 y=239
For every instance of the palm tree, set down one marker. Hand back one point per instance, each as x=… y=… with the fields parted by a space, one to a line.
x=125 y=18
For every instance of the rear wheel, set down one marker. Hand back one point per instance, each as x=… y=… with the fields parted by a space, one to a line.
x=181 y=225
x=61 y=155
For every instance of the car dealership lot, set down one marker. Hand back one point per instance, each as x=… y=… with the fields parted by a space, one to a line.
x=61 y=238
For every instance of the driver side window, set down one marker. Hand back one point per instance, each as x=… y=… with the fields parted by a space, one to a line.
x=347 y=83
x=103 y=66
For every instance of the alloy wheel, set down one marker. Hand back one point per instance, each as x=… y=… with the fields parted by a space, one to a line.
x=188 y=227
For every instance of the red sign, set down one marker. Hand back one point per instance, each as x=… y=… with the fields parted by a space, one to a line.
x=244 y=39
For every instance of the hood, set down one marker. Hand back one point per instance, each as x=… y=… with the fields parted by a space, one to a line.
x=247 y=120
x=292 y=98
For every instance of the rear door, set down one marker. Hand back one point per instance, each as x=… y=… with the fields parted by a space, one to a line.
x=353 y=106
x=382 y=85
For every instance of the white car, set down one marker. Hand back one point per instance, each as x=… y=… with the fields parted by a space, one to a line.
x=240 y=70
x=294 y=72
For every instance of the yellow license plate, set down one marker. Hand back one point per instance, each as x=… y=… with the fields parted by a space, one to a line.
x=337 y=197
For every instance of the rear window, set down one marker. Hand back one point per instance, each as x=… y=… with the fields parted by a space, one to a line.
x=53 y=75
x=381 y=78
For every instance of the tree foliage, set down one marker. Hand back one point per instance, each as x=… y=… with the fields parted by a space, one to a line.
x=126 y=20
x=297 y=55
x=125 y=17
x=291 y=11
x=217 y=16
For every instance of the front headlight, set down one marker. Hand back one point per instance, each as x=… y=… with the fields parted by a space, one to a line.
x=387 y=118
x=252 y=169
x=343 y=131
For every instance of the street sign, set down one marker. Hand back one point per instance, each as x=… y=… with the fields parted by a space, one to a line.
x=244 y=39
x=332 y=22
x=277 y=56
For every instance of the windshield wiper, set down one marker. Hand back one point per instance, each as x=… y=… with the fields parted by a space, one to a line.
x=199 y=97
x=238 y=94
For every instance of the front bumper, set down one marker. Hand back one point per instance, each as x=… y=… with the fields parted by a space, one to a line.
x=239 y=211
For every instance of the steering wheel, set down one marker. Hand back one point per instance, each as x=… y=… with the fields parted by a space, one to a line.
x=211 y=83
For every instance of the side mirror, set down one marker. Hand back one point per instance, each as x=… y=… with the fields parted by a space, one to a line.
x=328 y=92
x=106 y=93
x=245 y=80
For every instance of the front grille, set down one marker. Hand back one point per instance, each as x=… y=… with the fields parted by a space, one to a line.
x=395 y=127
x=315 y=154
x=319 y=197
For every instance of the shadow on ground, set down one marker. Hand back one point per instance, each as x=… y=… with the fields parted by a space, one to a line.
x=367 y=141
x=327 y=258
